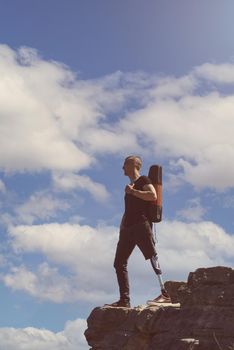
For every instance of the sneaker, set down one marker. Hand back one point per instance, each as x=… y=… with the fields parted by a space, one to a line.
x=119 y=303
x=161 y=299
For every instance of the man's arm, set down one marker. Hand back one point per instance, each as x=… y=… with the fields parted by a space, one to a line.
x=148 y=193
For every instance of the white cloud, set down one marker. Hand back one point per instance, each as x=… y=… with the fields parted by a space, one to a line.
x=193 y=211
x=218 y=73
x=45 y=284
x=171 y=87
x=68 y=182
x=32 y=137
x=65 y=243
x=195 y=130
x=59 y=122
x=48 y=115
x=41 y=205
x=188 y=246
x=88 y=253
x=71 y=338
x=68 y=122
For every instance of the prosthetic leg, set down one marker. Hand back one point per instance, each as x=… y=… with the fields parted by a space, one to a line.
x=164 y=296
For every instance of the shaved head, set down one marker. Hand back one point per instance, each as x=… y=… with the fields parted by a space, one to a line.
x=137 y=161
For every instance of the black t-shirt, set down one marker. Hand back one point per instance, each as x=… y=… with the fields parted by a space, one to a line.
x=136 y=209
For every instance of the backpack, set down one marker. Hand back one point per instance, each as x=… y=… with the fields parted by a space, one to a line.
x=155 y=207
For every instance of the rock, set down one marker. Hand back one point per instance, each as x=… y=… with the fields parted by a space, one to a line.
x=203 y=321
x=210 y=276
x=172 y=288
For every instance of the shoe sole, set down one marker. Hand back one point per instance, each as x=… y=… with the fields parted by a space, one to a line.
x=160 y=302
x=164 y=304
x=118 y=307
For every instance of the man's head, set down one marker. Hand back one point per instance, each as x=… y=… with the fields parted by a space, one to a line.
x=132 y=164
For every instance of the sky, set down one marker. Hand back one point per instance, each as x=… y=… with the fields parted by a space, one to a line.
x=83 y=84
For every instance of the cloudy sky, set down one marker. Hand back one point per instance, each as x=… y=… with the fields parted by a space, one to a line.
x=82 y=85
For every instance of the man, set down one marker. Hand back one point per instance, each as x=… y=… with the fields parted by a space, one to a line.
x=135 y=229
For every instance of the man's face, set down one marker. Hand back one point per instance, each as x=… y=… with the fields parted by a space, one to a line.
x=128 y=166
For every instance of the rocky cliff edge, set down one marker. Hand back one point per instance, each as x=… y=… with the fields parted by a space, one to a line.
x=201 y=317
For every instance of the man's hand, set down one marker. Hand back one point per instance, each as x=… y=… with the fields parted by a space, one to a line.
x=148 y=193
x=129 y=189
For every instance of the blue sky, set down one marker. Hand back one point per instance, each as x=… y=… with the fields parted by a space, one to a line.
x=84 y=84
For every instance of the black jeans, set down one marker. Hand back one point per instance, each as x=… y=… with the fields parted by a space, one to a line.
x=140 y=235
